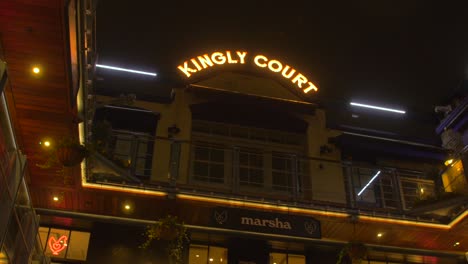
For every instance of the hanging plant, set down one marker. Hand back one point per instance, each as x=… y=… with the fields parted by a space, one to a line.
x=169 y=229
x=356 y=251
x=68 y=152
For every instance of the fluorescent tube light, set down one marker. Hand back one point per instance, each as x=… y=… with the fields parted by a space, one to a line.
x=367 y=185
x=125 y=70
x=378 y=108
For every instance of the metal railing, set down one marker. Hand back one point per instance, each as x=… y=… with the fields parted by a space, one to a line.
x=275 y=176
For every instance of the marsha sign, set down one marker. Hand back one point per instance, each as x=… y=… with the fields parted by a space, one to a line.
x=205 y=61
x=266 y=222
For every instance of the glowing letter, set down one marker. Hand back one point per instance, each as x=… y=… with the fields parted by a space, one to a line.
x=257 y=61
x=241 y=55
x=218 y=58
x=311 y=87
x=285 y=72
x=196 y=64
x=205 y=61
x=186 y=69
x=300 y=79
x=278 y=67
x=229 y=58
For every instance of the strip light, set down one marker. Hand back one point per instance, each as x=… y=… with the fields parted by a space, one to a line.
x=367 y=185
x=125 y=70
x=378 y=108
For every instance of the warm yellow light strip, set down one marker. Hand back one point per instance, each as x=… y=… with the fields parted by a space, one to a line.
x=122 y=189
x=402 y=222
x=318 y=212
x=458 y=219
x=260 y=205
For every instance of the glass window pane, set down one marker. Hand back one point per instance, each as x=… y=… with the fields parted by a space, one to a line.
x=78 y=246
x=43 y=233
x=3 y=257
x=198 y=254
x=278 y=258
x=201 y=153
x=218 y=255
x=217 y=155
x=200 y=169
x=217 y=173
x=296 y=259
x=57 y=243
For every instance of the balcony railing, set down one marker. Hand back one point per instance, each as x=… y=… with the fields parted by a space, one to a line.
x=280 y=177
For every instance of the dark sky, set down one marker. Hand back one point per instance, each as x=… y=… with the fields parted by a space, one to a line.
x=411 y=54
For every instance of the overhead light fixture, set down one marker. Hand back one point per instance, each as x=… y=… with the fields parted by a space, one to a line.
x=378 y=108
x=125 y=70
x=379 y=235
x=55 y=198
x=127 y=207
x=367 y=185
x=36 y=70
x=456 y=244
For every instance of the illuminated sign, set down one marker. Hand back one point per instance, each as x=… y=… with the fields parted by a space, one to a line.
x=57 y=245
x=206 y=61
x=265 y=222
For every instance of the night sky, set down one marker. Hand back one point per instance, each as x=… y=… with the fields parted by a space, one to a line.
x=410 y=55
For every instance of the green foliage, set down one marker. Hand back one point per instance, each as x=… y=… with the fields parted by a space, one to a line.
x=355 y=250
x=172 y=230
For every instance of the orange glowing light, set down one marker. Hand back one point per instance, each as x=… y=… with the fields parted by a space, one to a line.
x=200 y=63
x=57 y=245
x=36 y=70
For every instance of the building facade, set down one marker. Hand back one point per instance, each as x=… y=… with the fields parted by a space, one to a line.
x=253 y=167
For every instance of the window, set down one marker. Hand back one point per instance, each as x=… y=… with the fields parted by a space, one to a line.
x=251 y=168
x=285 y=258
x=3 y=257
x=133 y=150
x=250 y=158
x=64 y=243
x=208 y=164
x=282 y=172
x=201 y=254
x=360 y=177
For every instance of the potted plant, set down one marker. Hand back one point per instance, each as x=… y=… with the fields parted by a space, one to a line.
x=354 y=251
x=68 y=152
x=171 y=230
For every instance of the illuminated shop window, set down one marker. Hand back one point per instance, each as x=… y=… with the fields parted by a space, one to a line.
x=454 y=178
x=64 y=244
x=200 y=254
x=3 y=257
x=285 y=258
x=78 y=245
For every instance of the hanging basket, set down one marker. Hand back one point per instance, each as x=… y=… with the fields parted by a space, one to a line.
x=70 y=156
